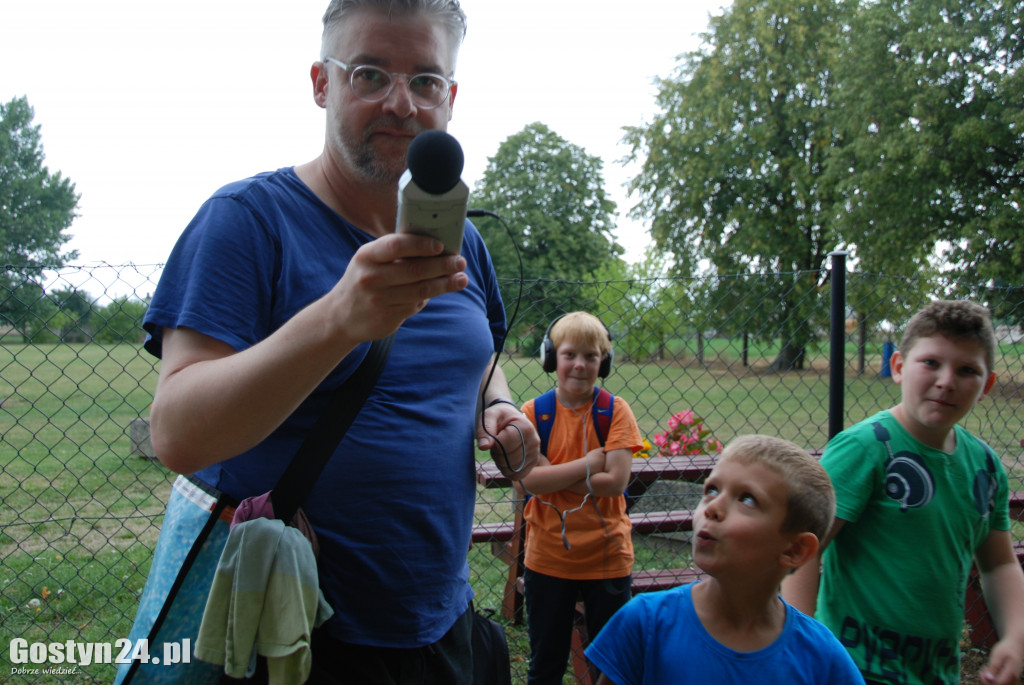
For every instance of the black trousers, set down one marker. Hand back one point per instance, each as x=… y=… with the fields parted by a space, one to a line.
x=550 y=610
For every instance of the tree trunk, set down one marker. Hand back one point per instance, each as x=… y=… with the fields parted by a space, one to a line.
x=862 y=343
x=791 y=358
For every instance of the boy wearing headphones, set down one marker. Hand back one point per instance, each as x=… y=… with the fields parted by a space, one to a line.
x=578 y=539
x=919 y=499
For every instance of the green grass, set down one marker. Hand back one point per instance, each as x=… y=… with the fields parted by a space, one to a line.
x=80 y=514
x=734 y=399
x=80 y=595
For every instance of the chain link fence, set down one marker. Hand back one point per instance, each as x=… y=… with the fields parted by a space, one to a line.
x=82 y=502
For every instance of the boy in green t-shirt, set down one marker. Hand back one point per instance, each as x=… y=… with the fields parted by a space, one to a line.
x=918 y=499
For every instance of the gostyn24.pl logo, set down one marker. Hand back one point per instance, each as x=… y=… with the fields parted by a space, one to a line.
x=25 y=655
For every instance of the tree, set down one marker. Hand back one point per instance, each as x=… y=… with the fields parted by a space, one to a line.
x=731 y=162
x=77 y=306
x=629 y=298
x=551 y=195
x=933 y=153
x=36 y=209
x=120 y=321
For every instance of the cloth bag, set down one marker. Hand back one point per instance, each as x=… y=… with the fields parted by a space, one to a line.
x=195 y=531
x=193 y=534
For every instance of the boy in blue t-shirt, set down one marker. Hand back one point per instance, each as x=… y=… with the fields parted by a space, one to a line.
x=918 y=500
x=766 y=503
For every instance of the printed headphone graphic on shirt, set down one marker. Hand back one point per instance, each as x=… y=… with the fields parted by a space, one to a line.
x=549 y=355
x=907 y=479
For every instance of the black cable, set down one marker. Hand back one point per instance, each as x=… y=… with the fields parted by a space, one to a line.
x=508 y=327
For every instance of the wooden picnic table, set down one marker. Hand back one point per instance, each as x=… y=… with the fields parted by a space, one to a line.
x=692 y=468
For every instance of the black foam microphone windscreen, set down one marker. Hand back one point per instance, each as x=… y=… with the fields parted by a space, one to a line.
x=435 y=160
x=431 y=196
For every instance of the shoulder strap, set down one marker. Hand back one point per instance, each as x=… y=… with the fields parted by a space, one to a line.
x=604 y=407
x=544 y=412
x=316 y=450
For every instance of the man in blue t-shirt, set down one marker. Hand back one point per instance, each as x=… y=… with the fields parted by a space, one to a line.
x=270 y=300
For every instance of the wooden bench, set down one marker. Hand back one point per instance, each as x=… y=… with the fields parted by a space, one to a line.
x=645 y=523
x=690 y=468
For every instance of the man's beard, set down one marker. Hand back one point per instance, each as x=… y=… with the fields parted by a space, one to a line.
x=368 y=160
x=373 y=168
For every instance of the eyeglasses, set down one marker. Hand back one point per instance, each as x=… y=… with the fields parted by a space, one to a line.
x=373 y=84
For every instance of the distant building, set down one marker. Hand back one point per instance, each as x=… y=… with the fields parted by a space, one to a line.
x=1009 y=335
x=10 y=334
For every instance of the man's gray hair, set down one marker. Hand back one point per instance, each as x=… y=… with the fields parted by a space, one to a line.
x=448 y=12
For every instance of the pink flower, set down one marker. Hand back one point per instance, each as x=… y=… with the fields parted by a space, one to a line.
x=686 y=435
x=684 y=417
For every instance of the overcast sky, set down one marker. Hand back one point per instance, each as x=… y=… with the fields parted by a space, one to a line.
x=148 y=107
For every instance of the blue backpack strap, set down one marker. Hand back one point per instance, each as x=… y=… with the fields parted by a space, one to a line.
x=544 y=413
x=604 y=407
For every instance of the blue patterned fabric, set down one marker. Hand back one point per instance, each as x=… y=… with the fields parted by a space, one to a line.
x=183 y=522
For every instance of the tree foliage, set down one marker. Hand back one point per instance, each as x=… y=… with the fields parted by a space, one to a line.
x=70 y=315
x=732 y=158
x=933 y=153
x=637 y=306
x=892 y=130
x=36 y=209
x=120 y=321
x=551 y=194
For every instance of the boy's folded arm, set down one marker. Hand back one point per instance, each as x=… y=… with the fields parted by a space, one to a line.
x=613 y=480
x=547 y=477
x=608 y=474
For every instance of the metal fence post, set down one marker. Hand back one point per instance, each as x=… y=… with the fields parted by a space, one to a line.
x=837 y=345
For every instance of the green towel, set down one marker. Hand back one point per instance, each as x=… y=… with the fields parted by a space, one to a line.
x=265 y=599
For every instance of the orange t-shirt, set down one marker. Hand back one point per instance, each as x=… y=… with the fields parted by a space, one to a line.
x=602 y=544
